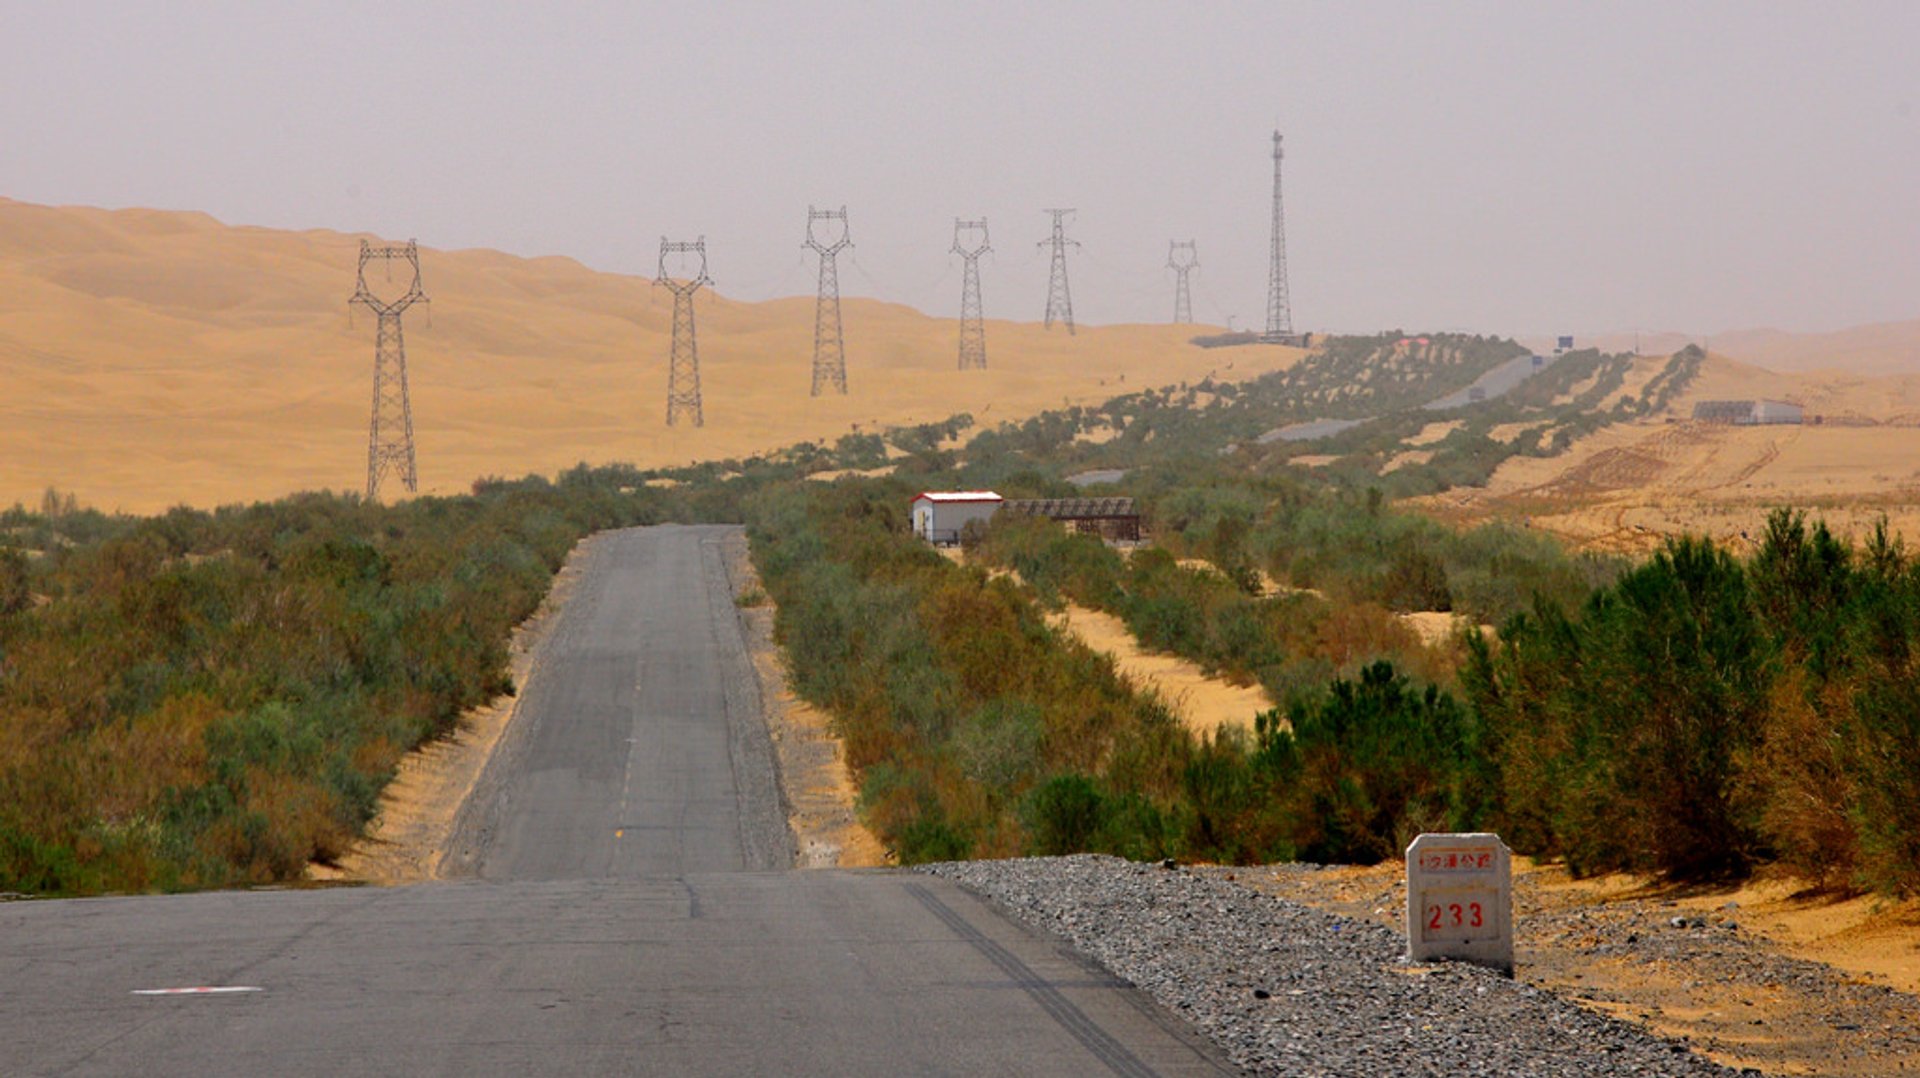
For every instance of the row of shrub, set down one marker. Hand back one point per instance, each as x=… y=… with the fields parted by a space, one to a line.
x=977 y=729
x=1292 y=643
x=1694 y=717
x=1705 y=714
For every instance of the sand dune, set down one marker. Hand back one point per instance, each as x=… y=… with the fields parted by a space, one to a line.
x=1885 y=348
x=1628 y=485
x=157 y=358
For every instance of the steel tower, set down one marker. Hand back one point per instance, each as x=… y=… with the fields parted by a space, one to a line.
x=1059 y=300
x=1279 y=307
x=973 y=327
x=1182 y=295
x=390 y=437
x=829 y=347
x=683 y=368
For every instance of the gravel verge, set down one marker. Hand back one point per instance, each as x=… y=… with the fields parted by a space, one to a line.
x=1283 y=988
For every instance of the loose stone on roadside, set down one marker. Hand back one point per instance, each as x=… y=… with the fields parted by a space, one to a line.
x=1287 y=989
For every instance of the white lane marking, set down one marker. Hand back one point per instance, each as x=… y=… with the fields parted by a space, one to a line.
x=213 y=990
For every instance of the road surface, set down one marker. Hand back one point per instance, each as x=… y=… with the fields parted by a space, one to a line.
x=628 y=912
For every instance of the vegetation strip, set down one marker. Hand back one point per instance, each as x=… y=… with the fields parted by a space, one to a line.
x=206 y=699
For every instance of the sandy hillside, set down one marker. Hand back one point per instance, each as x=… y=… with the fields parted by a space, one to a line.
x=1629 y=484
x=157 y=358
x=1883 y=348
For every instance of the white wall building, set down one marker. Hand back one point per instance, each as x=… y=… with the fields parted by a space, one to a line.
x=938 y=515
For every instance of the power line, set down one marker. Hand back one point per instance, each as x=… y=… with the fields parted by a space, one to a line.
x=973 y=326
x=1059 y=300
x=1182 y=293
x=390 y=434
x=683 y=365
x=829 y=347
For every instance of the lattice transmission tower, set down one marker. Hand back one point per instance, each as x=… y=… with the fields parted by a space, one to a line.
x=390 y=437
x=1279 y=306
x=1059 y=300
x=829 y=348
x=1182 y=259
x=683 y=365
x=973 y=326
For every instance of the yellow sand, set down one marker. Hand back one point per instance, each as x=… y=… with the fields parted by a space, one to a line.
x=1627 y=486
x=1433 y=433
x=157 y=358
x=1204 y=704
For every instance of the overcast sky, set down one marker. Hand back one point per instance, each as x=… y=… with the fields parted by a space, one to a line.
x=1504 y=167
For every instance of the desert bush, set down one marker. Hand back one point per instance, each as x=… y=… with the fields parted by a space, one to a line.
x=1378 y=761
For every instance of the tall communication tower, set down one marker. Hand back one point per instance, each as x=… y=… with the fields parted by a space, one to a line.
x=1182 y=259
x=683 y=369
x=390 y=439
x=973 y=326
x=1279 y=308
x=1059 y=300
x=829 y=348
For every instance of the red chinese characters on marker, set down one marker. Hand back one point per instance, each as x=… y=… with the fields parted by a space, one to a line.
x=1460 y=899
x=1456 y=860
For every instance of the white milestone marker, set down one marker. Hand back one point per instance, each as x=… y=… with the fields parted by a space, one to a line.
x=1460 y=899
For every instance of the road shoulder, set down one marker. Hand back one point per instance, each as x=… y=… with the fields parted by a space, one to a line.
x=815 y=785
x=420 y=811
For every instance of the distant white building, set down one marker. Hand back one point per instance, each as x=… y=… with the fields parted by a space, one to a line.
x=1748 y=413
x=938 y=515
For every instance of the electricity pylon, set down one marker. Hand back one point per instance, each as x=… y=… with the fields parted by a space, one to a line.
x=1279 y=306
x=683 y=365
x=829 y=348
x=390 y=437
x=1059 y=300
x=1182 y=295
x=973 y=327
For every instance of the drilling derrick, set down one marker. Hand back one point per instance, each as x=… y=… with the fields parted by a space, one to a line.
x=390 y=437
x=829 y=348
x=1182 y=259
x=1059 y=300
x=1279 y=306
x=683 y=366
x=973 y=327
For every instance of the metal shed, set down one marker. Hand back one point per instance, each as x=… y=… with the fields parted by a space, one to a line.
x=1110 y=518
x=938 y=515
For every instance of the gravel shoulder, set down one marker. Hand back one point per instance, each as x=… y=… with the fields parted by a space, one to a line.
x=1301 y=969
x=1723 y=969
x=1285 y=988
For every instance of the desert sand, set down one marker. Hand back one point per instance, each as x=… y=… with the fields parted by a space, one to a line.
x=159 y=358
x=1627 y=486
x=1882 y=348
x=1203 y=703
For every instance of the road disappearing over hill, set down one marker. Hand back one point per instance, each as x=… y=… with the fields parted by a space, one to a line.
x=629 y=911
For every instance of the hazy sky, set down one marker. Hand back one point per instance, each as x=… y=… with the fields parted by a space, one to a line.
x=1505 y=167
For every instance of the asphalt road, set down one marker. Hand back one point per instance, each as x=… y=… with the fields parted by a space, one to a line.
x=639 y=748
x=629 y=913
